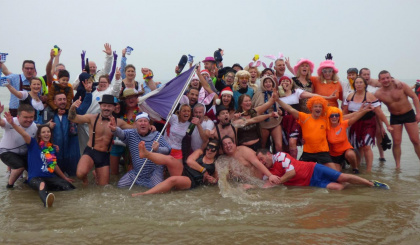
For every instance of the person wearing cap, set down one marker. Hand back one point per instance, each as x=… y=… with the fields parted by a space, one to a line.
x=349 y=86
x=241 y=86
x=328 y=82
x=237 y=67
x=226 y=77
x=96 y=154
x=151 y=174
x=131 y=110
x=302 y=79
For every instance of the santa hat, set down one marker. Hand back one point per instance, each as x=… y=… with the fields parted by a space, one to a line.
x=226 y=90
x=205 y=71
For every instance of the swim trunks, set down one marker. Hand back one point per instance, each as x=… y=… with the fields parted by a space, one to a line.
x=100 y=158
x=407 y=117
x=319 y=157
x=323 y=175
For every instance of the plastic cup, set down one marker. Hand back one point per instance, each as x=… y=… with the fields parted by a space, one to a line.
x=3 y=81
x=3 y=57
x=55 y=51
x=128 y=50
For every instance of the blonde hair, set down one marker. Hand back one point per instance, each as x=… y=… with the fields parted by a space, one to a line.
x=241 y=73
x=308 y=76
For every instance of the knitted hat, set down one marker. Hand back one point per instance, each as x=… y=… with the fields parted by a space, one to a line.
x=300 y=62
x=326 y=64
x=226 y=90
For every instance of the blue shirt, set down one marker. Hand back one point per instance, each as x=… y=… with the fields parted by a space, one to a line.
x=37 y=164
x=146 y=88
x=15 y=82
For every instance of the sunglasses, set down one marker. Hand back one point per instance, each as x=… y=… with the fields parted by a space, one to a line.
x=335 y=115
x=212 y=148
x=327 y=70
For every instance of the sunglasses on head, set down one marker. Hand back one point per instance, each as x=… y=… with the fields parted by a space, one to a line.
x=335 y=115
x=212 y=148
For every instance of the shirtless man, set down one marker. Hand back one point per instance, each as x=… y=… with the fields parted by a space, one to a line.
x=402 y=113
x=97 y=150
x=224 y=127
x=247 y=157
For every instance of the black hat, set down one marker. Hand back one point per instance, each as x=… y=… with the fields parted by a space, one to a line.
x=224 y=71
x=237 y=65
x=108 y=99
x=220 y=108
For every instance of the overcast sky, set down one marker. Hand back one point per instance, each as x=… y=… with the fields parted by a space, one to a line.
x=378 y=34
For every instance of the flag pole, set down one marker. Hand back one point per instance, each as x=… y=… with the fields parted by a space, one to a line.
x=167 y=119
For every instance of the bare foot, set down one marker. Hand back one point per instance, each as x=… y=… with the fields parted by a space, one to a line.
x=143 y=153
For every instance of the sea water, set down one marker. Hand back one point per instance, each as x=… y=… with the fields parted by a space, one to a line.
x=223 y=214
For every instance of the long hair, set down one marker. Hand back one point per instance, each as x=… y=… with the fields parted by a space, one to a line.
x=38 y=132
x=240 y=100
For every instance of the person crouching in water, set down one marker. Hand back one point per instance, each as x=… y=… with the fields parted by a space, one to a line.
x=42 y=163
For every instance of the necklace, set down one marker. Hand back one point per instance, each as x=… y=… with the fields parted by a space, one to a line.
x=133 y=117
x=49 y=153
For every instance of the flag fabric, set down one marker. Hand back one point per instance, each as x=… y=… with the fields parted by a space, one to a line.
x=159 y=102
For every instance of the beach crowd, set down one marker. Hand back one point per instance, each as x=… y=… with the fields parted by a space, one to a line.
x=256 y=113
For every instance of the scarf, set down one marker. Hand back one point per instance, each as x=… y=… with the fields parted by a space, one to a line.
x=267 y=96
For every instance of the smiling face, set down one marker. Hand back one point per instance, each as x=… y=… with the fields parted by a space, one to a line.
x=199 y=112
x=351 y=76
x=304 y=69
x=328 y=73
x=45 y=134
x=228 y=146
x=226 y=100
x=254 y=74
x=334 y=119
x=211 y=150
x=92 y=67
x=35 y=85
x=26 y=118
x=268 y=84
x=103 y=84
x=195 y=83
x=316 y=110
x=60 y=101
x=286 y=84
x=280 y=67
x=184 y=113
x=107 y=109
x=243 y=81
x=229 y=78
x=131 y=101
x=130 y=73
x=246 y=103
x=143 y=126
x=193 y=96
x=385 y=79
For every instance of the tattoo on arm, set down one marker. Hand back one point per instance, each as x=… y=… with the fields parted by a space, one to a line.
x=72 y=113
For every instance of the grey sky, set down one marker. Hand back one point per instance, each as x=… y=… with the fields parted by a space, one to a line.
x=359 y=33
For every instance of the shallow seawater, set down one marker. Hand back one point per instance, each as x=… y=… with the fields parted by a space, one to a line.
x=225 y=215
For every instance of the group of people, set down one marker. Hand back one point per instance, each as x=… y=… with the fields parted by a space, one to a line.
x=56 y=130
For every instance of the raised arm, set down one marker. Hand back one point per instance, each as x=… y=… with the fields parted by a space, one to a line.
x=20 y=130
x=203 y=81
x=355 y=116
x=49 y=68
x=123 y=63
x=116 y=86
x=289 y=109
x=114 y=65
x=73 y=117
x=289 y=67
x=56 y=62
x=2 y=122
x=13 y=91
x=108 y=60
x=4 y=70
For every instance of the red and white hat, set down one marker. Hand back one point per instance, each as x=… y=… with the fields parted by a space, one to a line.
x=226 y=90
x=205 y=71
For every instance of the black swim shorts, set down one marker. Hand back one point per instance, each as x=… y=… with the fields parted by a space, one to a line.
x=100 y=158
x=408 y=117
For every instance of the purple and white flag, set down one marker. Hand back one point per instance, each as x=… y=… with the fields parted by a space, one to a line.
x=159 y=102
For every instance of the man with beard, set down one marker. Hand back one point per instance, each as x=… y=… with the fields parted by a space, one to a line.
x=201 y=132
x=64 y=135
x=96 y=153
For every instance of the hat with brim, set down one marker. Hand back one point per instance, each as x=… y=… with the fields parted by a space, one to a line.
x=209 y=59
x=108 y=99
x=128 y=92
x=326 y=64
x=300 y=62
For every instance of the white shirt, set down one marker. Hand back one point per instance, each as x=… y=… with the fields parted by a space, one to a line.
x=37 y=105
x=196 y=140
x=177 y=132
x=293 y=98
x=12 y=141
x=113 y=89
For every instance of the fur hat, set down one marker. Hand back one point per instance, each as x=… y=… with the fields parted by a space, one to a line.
x=300 y=62
x=327 y=64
